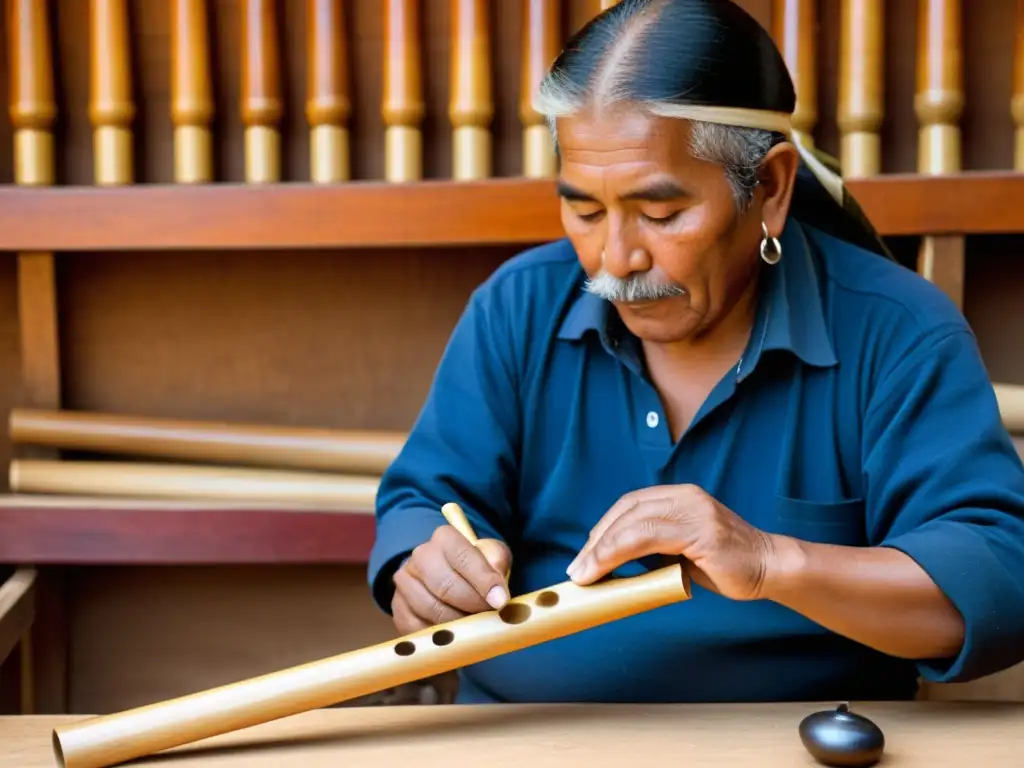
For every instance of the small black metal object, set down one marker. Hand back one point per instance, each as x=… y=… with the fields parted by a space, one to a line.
x=839 y=737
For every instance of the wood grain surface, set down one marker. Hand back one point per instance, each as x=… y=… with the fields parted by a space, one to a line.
x=76 y=531
x=374 y=214
x=929 y=735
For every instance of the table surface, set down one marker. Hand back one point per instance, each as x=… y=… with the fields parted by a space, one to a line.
x=929 y=734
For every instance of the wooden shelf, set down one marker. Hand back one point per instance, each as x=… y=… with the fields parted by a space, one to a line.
x=82 y=531
x=430 y=213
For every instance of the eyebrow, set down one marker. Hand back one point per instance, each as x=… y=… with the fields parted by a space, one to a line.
x=658 y=192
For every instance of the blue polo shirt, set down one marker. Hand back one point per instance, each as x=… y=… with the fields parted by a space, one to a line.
x=860 y=414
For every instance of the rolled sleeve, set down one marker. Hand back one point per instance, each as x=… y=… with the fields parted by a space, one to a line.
x=463 y=447
x=945 y=485
x=963 y=564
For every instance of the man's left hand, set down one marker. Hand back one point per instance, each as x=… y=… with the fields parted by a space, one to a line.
x=721 y=551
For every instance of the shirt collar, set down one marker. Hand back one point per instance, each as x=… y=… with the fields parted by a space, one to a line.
x=790 y=315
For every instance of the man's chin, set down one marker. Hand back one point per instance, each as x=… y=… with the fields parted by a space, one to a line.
x=661 y=321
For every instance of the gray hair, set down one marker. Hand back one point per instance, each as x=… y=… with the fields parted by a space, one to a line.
x=739 y=151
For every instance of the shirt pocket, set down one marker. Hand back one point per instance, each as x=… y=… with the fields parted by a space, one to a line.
x=825 y=522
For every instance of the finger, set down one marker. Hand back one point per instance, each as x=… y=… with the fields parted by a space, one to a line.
x=497 y=554
x=429 y=567
x=627 y=503
x=485 y=582
x=406 y=621
x=423 y=604
x=645 y=530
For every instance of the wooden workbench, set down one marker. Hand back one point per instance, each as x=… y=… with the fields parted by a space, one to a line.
x=918 y=734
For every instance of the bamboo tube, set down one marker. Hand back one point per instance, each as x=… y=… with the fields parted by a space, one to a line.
x=192 y=106
x=939 y=104
x=471 y=108
x=525 y=621
x=795 y=31
x=111 y=110
x=541 y=44
x=339 y=450
x=1011 y=405
x=327 y=101
x=33 y=108
x=1017 y=101
x=403 y=108
x=262 y=107
x=350 y=493
x=861 y=87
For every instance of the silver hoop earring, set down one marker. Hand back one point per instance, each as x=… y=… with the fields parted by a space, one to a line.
x=771 y=248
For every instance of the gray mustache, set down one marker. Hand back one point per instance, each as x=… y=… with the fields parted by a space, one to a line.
x=635 y=288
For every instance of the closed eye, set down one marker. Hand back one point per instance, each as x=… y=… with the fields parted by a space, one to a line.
x=662 y=220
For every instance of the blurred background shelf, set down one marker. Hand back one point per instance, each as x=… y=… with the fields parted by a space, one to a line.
x=60 y=530
x=509 y=211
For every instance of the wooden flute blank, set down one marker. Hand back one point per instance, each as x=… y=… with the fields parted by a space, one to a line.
x=525 y=621
x=356 y=451
x=1011 y=405
x=168 y=481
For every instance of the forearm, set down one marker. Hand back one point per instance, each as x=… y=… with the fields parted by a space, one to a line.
x=877 y=596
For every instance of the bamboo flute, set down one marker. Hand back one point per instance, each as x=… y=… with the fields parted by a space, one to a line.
x=350 y=493
x=528 y=620
x=356 y=451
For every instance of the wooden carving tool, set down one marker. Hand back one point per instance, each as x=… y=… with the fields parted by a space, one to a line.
x=524 y=621
x=457 y=519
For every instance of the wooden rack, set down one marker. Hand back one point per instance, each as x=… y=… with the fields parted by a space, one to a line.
x=505 y=211
x=273 y=211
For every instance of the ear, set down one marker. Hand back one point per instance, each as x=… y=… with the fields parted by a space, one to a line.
x=777 y=178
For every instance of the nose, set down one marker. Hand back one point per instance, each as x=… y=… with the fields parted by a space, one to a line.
x=623 y=254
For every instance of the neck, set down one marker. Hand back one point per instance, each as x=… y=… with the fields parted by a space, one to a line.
x=719 y=345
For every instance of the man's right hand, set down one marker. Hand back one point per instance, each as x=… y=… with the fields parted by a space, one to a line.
x=447 y=578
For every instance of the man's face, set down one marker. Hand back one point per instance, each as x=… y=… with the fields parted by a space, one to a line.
x=637 y=205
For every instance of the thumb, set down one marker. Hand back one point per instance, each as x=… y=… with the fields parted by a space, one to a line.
x=497 y=554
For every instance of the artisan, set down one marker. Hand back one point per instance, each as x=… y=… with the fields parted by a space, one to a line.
x=721 y=363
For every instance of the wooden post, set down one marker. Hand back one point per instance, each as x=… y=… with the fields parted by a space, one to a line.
x=192 y=106
x=795 y=30
x=541 y=44
x=327 y=92
x=111 y=109
x=262 y=108
x=33 y=110
x=472 y=107
x=1017 y=102
x=403 y=107
x=861 y=86
x=939 y=103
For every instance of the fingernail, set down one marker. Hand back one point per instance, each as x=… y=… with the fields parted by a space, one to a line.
x=497 y=597
x=579 y=570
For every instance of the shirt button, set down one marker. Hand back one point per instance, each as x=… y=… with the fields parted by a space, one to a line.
x=652 y=419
